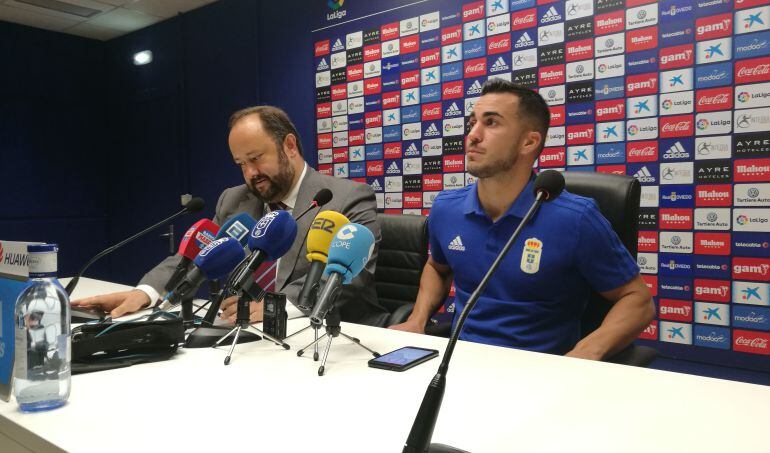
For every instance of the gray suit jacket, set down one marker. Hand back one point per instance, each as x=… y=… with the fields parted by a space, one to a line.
x=357 y=302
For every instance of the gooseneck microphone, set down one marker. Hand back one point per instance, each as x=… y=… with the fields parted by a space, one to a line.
x=321 y=197
x=192 y=206
x=548 y=185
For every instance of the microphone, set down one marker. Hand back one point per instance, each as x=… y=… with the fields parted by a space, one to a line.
x=192 y=206
x=348 y=254
x=198 y=236
x=321 y=197
x=548 y=185
x=238 y=228
x=269 y=240
x=213 y=262
x=325 y=225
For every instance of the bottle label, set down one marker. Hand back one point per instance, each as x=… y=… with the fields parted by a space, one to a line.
x=20 y=353
x=42 y=264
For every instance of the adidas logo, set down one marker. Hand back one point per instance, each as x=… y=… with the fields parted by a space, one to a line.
x=550 y=15
x=393 y=169
x=499 y=65
x=376 y=186
x=474 y=89
x=412 y=151
x=339 y=46
x=524 y=41
x=644 y=175
x=432 y=130
x=453 y=110
x=676 y=151
x=322 y=66
x=457 y=244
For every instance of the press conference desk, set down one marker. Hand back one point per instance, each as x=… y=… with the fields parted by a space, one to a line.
x=497 y=400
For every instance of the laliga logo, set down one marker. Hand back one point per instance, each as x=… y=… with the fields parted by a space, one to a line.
x=743 y=97
x=702 y=124
x=742 y=220
x=334 y=5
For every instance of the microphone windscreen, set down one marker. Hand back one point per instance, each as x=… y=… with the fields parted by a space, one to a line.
x=238 y=228
x=219 y=258
x=550 y=182
x=198 y=236
x=194 y=205
x=273 y=234
x=350 y=251
x=322 y=231
x=323 y=196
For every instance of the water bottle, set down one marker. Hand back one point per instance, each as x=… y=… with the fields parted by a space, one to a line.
x=41 y=378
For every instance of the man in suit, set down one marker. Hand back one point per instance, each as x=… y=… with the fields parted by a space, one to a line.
x=265 y=145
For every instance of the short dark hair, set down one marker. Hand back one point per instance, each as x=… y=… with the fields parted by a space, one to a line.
x=275 y=121
x=532 y=106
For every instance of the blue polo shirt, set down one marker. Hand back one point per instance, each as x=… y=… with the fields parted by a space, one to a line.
x=536 y=297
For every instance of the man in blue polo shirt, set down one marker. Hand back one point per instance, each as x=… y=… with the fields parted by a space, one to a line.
x=535 y=299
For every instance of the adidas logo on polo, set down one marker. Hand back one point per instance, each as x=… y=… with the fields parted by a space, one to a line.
x=432 y=130
x=453 y=110
x=644 y=175
x=322 y=65
x=524 y=41
x=474 y=89
x=499 y=65
x=457 y=244
x=393 y=169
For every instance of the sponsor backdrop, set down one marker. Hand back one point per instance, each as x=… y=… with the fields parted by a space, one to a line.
x=675 y=93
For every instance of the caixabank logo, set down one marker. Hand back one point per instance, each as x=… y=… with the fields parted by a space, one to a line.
x=673 y=93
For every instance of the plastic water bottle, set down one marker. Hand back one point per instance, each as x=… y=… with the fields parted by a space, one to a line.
x=41 y=378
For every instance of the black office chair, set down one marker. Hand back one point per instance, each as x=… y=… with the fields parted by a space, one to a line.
x=402 y=255
x=618 y=199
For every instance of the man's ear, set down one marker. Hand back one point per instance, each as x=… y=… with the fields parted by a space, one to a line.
x=533 y=140
x=290 y=145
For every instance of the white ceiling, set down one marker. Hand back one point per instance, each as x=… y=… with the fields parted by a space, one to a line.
x=97 y=19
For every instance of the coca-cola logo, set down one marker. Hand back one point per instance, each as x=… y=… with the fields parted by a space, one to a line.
x=676 y=127
x=711 y=100
x=757 y=343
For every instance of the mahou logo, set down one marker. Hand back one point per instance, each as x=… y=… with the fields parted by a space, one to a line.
x=648 y=241
x=751 y=342
x=610 y=22
x=675 y=219
x=714 y=195
x=753 y=70
x=580 y=50
x=714 y=99
x=712 y=243
x=551 y=75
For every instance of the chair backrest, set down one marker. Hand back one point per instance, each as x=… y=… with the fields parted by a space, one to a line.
x=401 y=257
x=618 y=199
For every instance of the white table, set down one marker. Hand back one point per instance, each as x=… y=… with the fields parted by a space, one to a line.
x=497 y=400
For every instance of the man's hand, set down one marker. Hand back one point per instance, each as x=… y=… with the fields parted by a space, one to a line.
x=409 y=326
x=117 y=304
x=230 y=308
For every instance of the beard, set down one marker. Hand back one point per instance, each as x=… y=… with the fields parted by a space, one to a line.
x=501 y=164
x=277 y=185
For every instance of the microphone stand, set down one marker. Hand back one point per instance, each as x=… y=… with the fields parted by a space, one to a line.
x=71 y=285
x=425 y=421
x=333 y=330
x=242 y=324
